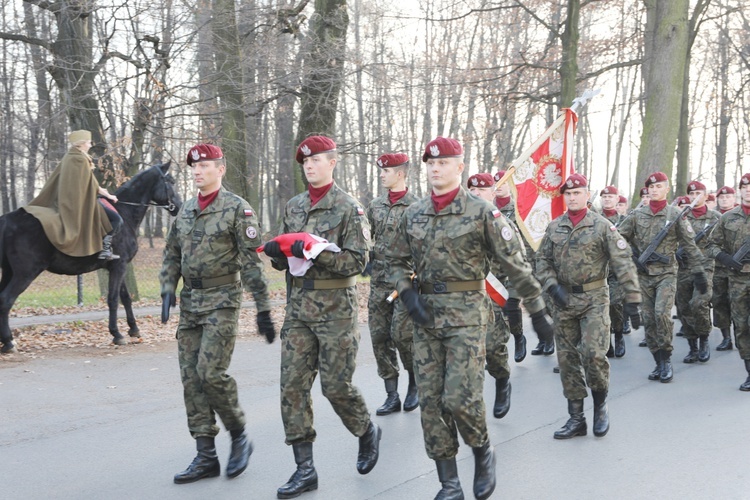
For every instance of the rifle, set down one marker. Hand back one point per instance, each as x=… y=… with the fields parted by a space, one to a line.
x=650 y=255
x=743 y=254
x=680 y=254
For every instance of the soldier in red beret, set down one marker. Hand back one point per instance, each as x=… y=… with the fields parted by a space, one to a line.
x=320 y=334
x=390 y=326
x=720 y=300
x=622 y=205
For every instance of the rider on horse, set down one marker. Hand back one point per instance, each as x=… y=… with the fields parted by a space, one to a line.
x=67 y=205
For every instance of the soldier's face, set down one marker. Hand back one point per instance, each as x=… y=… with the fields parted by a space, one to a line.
x=745 y=193
x=695 y=194
x=609 y=201
x=576 y=198
x=726 y=201
x=389 y=177
x=503 y=191
x=444 y=174
x=658 y=191
x=207 y=175
x=483 y=192
x=622 y=208
x=319 y=169
x=711 y=204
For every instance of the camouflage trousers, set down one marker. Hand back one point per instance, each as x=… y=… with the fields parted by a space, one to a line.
x=205 y=344
x=720 y=299
x=391 y=331
x=498 y=334
x=616 y=298
x=693 y=308
x=657 y=293
x=582 y=339
x=739 y=291
x=331 y=348
x=449 y=366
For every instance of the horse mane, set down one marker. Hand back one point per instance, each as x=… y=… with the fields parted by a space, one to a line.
x=137 y=178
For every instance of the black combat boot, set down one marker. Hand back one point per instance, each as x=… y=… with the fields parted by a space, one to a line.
x=539 y=349
x=305 y=478
x=726 y=343
x=242 y=448
x=654 y=375
x=619 y=345
x=611 y=350
x=626 y=325
x=205 y=464
x=411 y=401
x=484 y=471
x=704 y=351
x=502 y=397
x=666 y=373
x=601 y=413
x=392 y=402
x=106 y=253
x=680 y=333
x=549 y=346
x=576 y=424
x=369 y=449
x=643 y=343
x=520 y=347
x=448 y=475
x=746 y=385
x=692 y=355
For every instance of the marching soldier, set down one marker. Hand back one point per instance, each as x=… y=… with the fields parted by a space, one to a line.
x=576 y=255
x=390 y=326
x=610 y=198
x=211 y=245
x=320 y=325
x=720 y=302
x=454 y=240
x=693 y=306
x=730 y=244
x=622 y=206
x=657 y=277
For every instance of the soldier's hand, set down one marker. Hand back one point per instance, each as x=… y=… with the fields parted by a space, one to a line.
x=416 y=306
x=559 y=295
x=265 y=326
x=298 y=249
x=701 y=282
x=273 y=249
x=633 y=311
x=542 y=324
x=729 y=261
x=168 y=300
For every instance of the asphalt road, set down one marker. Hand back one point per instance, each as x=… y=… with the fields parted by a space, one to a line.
x=87 y=425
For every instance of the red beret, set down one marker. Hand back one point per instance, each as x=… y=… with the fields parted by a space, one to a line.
x=314 y=145
x=682 y=200
x=609 y=190
x=711 y=197
x=443 y=147
x=499 y=175
x=695 y=186
x=745 y=180
x=644 y=191
x=202 y=152
x=574 y=181
x=622 y=199
x=726 y=190
x=656 y=177
x=392 y=160
x=482 y=180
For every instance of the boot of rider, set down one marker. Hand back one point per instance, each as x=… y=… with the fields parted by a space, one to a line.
x=726 y=342
x=106 y=253
x=601 y=413
x=392 y=401
x=411 y=401
x=692 y=355
x=448 y=476
x=576 y=424
x=305 y=478
x=484 y=471
x=666 y=373
x=502 y=397
x=205 y=464
x=704 y=351
x=745 y=387
x=239 y=457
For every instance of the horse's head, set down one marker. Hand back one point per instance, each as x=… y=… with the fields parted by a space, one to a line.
x=164 y=192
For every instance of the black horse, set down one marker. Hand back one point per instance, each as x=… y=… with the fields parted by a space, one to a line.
x=25 y=251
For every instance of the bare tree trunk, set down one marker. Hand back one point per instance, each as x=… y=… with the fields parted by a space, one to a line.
x=569 y=64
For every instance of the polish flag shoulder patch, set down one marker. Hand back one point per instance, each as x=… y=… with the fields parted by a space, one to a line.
x=360 y=211
x=249 y=212
x=496 y=213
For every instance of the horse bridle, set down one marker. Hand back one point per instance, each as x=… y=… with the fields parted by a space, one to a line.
x=170 y=206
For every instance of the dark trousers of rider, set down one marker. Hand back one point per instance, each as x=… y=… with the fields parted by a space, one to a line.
x=114 y=218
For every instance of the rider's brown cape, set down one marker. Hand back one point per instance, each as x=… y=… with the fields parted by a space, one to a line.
x=73 y=220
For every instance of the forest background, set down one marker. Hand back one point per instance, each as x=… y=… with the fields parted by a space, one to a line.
x=257 y=76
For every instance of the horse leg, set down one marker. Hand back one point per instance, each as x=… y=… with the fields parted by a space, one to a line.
x=116 y=277
x=127 y=303
x=12 y=286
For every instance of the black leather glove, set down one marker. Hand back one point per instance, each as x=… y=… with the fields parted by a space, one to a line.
x=368 y=267
x=265 y=326
x=681 y=257
x=273 y=249
x=729 y=261
x=633 y=311
x=168 y=300
x=701 y=282
x=559 y=295
x=298 y=249
x=542 y=324
x=415 y=305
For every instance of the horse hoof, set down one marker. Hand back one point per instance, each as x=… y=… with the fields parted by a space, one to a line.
x=119 y=341
x=8 y=349
x=137 y=340
x=135 y=333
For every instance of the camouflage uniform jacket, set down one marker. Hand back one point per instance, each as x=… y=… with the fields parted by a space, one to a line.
x=340 y=219
x=218 y=241
x=384 y=219
x=728 y=236
x=642 y=226
x=584 y=254
x=699 y=224
x=463 y=242
x=615 y=220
